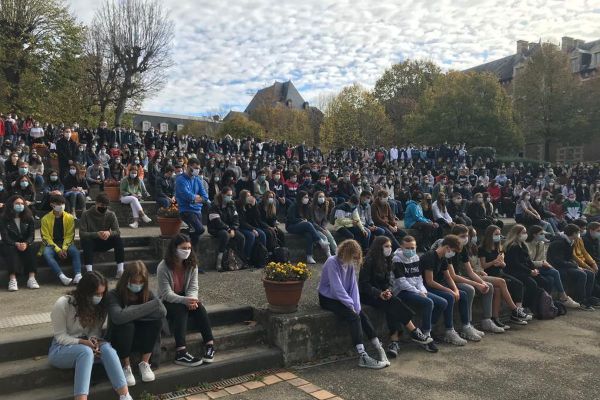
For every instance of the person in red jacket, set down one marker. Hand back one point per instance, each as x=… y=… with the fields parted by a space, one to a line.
x=495 y=192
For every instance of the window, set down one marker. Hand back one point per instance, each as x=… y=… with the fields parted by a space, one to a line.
x=164 y=127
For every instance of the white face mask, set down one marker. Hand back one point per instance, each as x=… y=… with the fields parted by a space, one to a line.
x=321 y=200
x=464 y=241
x=305 y=200
x=450 y=254
x=59 y=208
x=387 y=251
x=523 y=237
x=183 y=254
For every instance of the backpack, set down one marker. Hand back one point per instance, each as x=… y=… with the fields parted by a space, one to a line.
x=562 y=309
x=281 y=255
x=259 y=256
x=231 y=261
x=545 y=306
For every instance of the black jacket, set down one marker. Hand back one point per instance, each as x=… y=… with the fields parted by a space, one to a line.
x=165 y=187
x=518 y=261
x=11 y=234
x=222 y=218
x=250 y=218
x=67 y=150
x=372 y=281
x=475 y=211
x=592 y=246
x=560 y=253
x=269 y=221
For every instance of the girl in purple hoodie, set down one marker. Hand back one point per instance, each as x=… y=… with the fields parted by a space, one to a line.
x=338 y=293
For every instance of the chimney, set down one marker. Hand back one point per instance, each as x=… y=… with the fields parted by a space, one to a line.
x=578 y=43
x=567 y=43
x=522 y=46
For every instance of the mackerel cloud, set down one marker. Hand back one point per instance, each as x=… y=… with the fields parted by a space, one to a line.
x=226 y=50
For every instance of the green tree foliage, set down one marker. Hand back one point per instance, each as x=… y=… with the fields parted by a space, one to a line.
x=355 y=117
x=199 y=128
x=284 y=123
x=470 y=108
x=401 y=86
x=546 y=94
x=239 y=127
x=41 y=69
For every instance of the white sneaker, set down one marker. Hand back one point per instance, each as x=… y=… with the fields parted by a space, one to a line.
x=76 y=279
x=365 y=361
x=469 y=333
x=129 y=375
x=125 y=397
x=12 y=285
x=382 y=356
x=65 y=280
x=146 y=371
x=146 y=219
x=134 y=225
x=478 y=332
x=32 y=283
x=310 y=260
x=452 y=337
x=488 y=325
x=570 y=303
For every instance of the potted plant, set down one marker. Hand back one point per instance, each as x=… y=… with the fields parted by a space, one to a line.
x=112 y=189
x=168 y=220
x=54 y=161
x=41 y=149
x=283 y=283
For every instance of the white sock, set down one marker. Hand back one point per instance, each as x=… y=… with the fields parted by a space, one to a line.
x=361 y=349
x=427 y=333
x=376 y=343
x=88 y=268
x=120 y=267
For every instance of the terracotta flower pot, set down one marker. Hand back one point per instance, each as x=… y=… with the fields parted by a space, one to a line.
x=283 y=297
x=169 y=227
x=113 y=193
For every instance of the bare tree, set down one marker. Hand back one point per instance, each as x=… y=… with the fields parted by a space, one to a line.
x=139 y=34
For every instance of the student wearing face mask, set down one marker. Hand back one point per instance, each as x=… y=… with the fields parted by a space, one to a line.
x=191 y=197
x=67 y=149
x=339 y=293
x=298 y=223
x=320 y=209
x=251 y=225
x=99 y=232
x=268 y=218
x=58 y=240
x=261 y=184
x=24 y=187
x=17 y=233
x=131 y=194
x=375 y=287
x=116 y=169
x=136 y=166
x=348 y=222
x=177 y=278
x=591 y=241
x=134 y=320
x=77 y=320
x=561 y=256
x=76 y=189
x=224 y=224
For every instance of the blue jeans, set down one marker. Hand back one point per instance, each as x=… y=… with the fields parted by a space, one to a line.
x=580 y=283
x=81 y=357
x=431 y=307
x=163 y=202
x=75 y=201
x=194 y=221
x=463 y=306
x=357 y=234
x=51 y=259
x=553 y=277
x=251 y=239
x=308 y=230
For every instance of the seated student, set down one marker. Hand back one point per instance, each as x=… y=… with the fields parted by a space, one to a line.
x=491 y=260
x=134 y=320
x=291 y=189
x=408 y=286
x=592 y=209
x=277 y=185
x=99 y=232
x=298 y=223
x=177 y=278
x=268 y=216
x=384 y=218
x=375 y=286
x=224 y=224
x=165 y=188
x=536 y=244
x=477 y=212
x=261 y=185
x=591 y=241
x=17 y=233
x=319 y=216
x=77 y=320
x=520 y=265
x=366 y=219
x=581 y=256
x=52 y=187
x=457 y=209
x=438 y=281
x=440 y=212
x=26 y=190
x=580 y=282
x=414 y=219
x=501 y=293
x=95 y=175
x=338 y=293
x=572 y=208
x=76 y=189
x=250 y=223
x=58 y=240
x=348 y=223
x=131 y=193
x=490 y=211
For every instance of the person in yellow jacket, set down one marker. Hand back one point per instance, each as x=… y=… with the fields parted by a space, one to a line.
x=58 y=240
x=580 y=255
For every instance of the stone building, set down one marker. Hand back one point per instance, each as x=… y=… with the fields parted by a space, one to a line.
x=143 y=120
x=585 y=62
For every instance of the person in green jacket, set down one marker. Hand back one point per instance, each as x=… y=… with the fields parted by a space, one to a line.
x=131 y=193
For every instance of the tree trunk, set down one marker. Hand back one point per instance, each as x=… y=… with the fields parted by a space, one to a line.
x=547 y=149
x=122 y=100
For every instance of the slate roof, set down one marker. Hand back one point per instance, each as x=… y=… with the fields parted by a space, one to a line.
x=503 y=67
x=279 y=92
x=589 y=45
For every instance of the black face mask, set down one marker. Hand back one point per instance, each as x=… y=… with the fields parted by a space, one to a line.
x=102 y=210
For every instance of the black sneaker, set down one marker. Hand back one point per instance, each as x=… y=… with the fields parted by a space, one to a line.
x=418 y=337
x=209 y=355
x=430 y=347
x=594 y=301
x=187 y=360
x=500 y=324
x=516 y=319
x=586 y=307
x=392 y=350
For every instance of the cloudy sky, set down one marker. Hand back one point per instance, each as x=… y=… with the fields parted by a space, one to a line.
x=226 y=50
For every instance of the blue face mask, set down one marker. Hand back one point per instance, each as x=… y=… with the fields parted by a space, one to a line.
x=409 y=253
x=24 y=184
x=96 y=300
x=19 y=208
x=497 y=238
x=135 y=287
x=227 y=199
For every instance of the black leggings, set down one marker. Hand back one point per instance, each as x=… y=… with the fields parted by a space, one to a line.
x=397 y=313
x=90 y=246
x=237 y=242
x=178 y=314
x=530 y=287
x=20 y=261
x=135 y=336
x=359 y=323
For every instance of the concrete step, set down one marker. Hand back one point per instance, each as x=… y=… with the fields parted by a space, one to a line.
x=227 y=364
x=228 y=322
